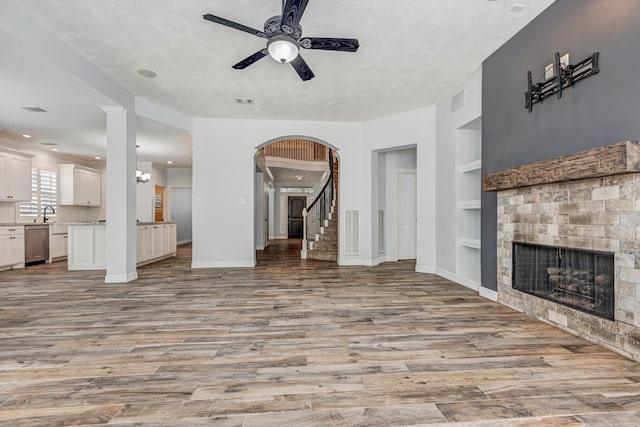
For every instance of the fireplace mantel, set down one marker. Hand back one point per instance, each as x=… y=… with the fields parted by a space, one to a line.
x=616 y=159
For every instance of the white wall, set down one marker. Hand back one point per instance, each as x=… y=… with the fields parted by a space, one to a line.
x=224 y=148
x=145 y=192
x=158 y=175
x=144 y=195
x=179 y=177
x=414 y=128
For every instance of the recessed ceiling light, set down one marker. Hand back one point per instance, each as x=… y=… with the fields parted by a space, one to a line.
x=34 y=109
x=169 y=162
x=98 y=158
x=24 y=135
x=244 y=101
x=146 y=73
x=517 y=7
x=55 y=149
x=299 y=176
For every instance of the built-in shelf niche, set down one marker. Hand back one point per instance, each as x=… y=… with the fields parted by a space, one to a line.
x=470 y=243
x=472 y=166
x=468 y=191
x=470 y=204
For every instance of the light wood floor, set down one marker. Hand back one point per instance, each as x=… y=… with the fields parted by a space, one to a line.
x=291 y=343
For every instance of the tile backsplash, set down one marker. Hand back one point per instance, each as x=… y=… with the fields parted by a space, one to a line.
x=63 y=213
x=7 y=213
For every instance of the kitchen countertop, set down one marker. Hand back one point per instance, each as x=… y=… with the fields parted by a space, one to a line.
x=16 y=224
x=104 y=223
x=22 y=224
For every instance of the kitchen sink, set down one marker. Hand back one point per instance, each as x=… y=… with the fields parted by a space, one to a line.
x=58 y=228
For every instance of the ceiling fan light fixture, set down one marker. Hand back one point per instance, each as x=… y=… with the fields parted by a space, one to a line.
x=283 y=48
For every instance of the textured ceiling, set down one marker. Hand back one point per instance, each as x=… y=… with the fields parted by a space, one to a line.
x=412 y=52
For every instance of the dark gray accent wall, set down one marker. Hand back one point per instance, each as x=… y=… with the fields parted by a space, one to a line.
x=600 y=110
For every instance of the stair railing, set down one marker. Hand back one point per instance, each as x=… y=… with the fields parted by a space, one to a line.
x=318 y=211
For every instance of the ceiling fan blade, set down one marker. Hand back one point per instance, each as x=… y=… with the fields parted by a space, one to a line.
x=292 y=11
x=235 y=25
x=302 y=68
x=251 y=59
x=324 y=43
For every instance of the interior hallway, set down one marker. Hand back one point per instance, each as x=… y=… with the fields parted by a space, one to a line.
x=291 y=342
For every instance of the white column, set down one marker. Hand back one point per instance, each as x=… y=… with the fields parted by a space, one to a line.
x=121 y=195
x=303 y=252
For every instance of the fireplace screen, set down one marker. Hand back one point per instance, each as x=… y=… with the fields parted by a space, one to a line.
x=576 y=278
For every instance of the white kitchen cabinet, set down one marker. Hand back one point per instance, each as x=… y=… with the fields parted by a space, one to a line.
x=172 y=238
x=157 y=240
x=80 y=186
x=15 y=177
x=87 y=244
x=87 y=247
x=148 y=241
x=140 y=244
x=168 y=238
x=11 y=247
x=58 y=246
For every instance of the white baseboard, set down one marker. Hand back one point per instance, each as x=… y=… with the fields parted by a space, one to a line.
x=468 y=283
x=223 y=264
x=183 y=242
x=382 y=259
x=278 y=238
x=488 y=294
x=259 y=248
x=121 y=278
x=428 y=269
x=357 y=262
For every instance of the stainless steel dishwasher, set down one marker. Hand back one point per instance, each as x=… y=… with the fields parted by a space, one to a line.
x=36 y=243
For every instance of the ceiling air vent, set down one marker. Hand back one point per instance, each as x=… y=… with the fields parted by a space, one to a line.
x=34 y=109
x=457 y=101
x=244 y=101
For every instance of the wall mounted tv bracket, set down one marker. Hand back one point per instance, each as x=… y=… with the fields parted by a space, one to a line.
x=562 y=78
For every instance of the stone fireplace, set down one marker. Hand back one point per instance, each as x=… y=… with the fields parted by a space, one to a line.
x=576 y=278
x=585 y=202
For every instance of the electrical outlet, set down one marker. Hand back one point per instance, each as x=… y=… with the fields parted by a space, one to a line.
x=548 y=70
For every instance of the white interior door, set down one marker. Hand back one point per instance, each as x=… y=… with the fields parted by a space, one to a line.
x=181 y=213
x=407 y=200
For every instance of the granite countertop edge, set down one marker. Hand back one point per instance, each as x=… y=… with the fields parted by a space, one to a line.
x=78 y=223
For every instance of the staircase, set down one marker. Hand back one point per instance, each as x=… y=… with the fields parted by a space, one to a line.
x=321 y=223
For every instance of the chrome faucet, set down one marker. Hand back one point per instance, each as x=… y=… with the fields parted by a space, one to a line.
x=44 y=212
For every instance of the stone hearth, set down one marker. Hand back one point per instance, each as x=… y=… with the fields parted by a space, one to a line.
x=596 y=213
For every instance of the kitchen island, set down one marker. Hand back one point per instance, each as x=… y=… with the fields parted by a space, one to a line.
x=87 y=244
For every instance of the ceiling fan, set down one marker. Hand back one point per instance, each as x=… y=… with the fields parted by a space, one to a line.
x=284 y=39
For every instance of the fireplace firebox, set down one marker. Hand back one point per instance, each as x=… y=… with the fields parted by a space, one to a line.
x=577 y=278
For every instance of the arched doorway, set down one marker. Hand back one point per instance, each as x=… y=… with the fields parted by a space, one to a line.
x=297 y=174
